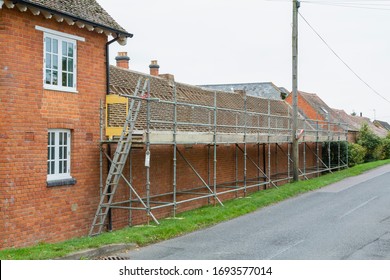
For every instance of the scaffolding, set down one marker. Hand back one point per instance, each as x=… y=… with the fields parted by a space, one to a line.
x=176 y=116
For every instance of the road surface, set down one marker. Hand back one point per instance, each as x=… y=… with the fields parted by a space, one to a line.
x=346 y=220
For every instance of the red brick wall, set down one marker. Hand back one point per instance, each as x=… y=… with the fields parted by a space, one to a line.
x=31 y=212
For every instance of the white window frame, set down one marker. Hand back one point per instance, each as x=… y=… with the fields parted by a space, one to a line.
x=60 y=37
x=55 y=146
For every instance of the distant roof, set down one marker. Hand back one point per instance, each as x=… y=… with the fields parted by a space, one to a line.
x=320 y=106
x=266 y=90
x=383 y=124
x=86 y=10
x=355 y=123
x=352 y=123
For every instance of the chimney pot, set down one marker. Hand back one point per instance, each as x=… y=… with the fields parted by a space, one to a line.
x=361 y=114
x=154 y=68
x=122 y=60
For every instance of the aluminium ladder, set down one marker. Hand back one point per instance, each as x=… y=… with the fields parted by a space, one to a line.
x=119 y=160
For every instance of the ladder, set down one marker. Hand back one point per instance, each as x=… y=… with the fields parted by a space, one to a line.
x=119 y=160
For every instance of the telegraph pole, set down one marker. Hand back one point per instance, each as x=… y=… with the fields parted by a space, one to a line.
x=295 y=144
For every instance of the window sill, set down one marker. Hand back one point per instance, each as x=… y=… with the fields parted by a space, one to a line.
x=61 y=182
x=61 y=89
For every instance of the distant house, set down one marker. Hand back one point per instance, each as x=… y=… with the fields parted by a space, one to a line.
x=382 y=124
x=266 y=90
x=313 y=107
x=321 y=116
x=53 y=76
x=355 y=123
x=353 y=126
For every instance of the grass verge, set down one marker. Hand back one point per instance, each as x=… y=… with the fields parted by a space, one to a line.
x=192 y=220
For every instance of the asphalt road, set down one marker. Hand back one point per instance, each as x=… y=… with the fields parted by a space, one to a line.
x=346 y=220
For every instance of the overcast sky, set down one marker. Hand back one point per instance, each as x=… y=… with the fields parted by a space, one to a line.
x=245 y=41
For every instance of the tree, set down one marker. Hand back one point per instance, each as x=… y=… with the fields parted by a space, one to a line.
x=371 y=142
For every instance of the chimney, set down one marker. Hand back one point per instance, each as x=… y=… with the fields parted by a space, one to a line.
x=361 y=114
x=154 y=68
x=241 y=92
x=122 y=60
x=168 y=77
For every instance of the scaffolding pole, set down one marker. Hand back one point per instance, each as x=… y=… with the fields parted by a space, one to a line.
x=304 y=149
x=269 y=144
x=101 y=153
x=258 y=163
x=245 y=150
x=130 y=192
x=147 y=153
x=329 y=159
x=174 y=150
x=215 y=148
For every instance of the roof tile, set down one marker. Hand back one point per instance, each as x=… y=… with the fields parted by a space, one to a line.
x=88 y=10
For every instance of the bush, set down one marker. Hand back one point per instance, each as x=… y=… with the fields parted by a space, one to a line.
x=371 y=142
x=356 y=154
x=386 y=148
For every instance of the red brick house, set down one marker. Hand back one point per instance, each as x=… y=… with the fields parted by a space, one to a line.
x=53 y=63
x=205 y=145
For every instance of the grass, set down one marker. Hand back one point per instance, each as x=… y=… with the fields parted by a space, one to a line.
x=191 y=220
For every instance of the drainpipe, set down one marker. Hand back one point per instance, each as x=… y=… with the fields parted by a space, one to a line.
x=108 y=63
x=109 y=214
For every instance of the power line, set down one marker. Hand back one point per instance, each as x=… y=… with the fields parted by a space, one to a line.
x=330 y=48
x=353 y=4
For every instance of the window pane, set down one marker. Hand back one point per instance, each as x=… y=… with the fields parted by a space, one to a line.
x=48 y=60
x=48 y=138
x=65 y=166
x=52 y=167
x=52 y=138
x=61 y=136
x=64 y=83
x=48 y=44
x=70 y=49
x=52 y=153
x=65 y=138
x=48 y=167
x=55 y=62
x=61 y=153
x=55 y=78
x=48 y=153
x=70 y=80
x=65 y=152
x=64 y=68
x=55 y=46
x=60 y=169
x=70 y=65
x=48 y=77
x=64 y=48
